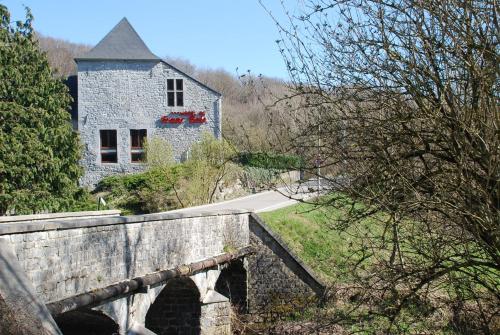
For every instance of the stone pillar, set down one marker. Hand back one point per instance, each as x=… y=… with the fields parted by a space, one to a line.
x=215 y=318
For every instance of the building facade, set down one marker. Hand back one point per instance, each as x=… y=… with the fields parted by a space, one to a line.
x=127 y=95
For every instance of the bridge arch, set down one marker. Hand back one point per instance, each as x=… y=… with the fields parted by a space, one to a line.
x=232 y=283
x=86 y=321
x=176 y=310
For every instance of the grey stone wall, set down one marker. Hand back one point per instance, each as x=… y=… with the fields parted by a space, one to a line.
x=279 y=285
x=232 y=283
x=177 y=310
x=21 y=311
x=216 y=318
x=68 y=258
x=126 y=95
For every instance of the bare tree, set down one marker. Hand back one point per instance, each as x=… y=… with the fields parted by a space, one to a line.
x=398 y=100
x=61 y=54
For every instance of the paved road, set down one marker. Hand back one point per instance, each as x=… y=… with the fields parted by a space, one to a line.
x=259 y=202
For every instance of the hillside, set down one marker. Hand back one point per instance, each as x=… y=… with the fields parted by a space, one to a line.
x=61 y=54
x=311 y=233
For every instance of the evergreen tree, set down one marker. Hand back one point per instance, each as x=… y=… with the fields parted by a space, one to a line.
x=39 y=151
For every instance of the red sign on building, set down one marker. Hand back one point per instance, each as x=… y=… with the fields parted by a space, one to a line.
x=179 y=117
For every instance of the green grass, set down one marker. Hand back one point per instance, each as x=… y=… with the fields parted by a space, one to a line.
x=310 y=232
x=314 y=234
x=320 y=237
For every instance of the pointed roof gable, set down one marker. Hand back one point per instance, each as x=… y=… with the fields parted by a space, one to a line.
x=121 y=43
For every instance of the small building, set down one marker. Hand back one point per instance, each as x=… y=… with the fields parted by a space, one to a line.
x=125 y=95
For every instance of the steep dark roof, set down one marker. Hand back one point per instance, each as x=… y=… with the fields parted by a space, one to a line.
x=121 y=43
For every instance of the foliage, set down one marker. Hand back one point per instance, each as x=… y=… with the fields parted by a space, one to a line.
x=312 y=233
x=210 y=168
x=259 y=177
x=146 y=192
x=215 y=152
x=84 y=201
x=400 y=98
x=271 y=161
x=307 y=230
x=159 y=153
x=39 y=151
x=165 y=186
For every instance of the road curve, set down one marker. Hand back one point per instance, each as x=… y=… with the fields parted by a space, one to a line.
x=259 y=202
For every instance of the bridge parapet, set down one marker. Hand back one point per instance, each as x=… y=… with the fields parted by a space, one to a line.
x=62 y=259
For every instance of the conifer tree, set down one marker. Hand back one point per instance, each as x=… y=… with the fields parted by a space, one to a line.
x=39 y=151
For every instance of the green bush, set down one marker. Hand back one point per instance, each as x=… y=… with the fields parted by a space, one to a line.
x=146 y=192
x=266 y=160
x=159 y=153
x=166 y=185
x=259 y=177
x=84 y=201
x=210 y=169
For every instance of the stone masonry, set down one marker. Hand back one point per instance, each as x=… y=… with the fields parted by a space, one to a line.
x=95 y=253
x=126 y=95
x=61 y=259
x=278 y=283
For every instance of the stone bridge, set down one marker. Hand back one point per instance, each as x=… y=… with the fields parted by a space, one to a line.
x=147 y=274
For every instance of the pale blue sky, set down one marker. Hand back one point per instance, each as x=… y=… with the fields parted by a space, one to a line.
x=209 y=33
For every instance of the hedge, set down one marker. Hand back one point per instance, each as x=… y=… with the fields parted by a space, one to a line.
x=270 y=160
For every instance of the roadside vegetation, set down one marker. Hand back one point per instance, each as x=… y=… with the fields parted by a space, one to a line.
x=215 y=171
x=167 y=185
x=335 y=253
x=310 y=232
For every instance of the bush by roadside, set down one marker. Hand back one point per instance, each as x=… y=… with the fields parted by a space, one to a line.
x=167 y=185
x=270 y=161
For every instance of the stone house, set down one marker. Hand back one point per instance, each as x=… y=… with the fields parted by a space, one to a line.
x=125 y=94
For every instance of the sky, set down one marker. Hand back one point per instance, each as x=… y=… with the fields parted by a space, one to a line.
x=226 y=34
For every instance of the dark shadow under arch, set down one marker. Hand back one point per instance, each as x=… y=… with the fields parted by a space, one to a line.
x=232 y=283
x=86 y=322
x=176 y=310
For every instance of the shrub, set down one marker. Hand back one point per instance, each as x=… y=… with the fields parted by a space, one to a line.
x=203 y=181
x=146 y=192
x=166 y=185
x=210 y=168
x=259 y=177
x=266 y=160
x=159 y=153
